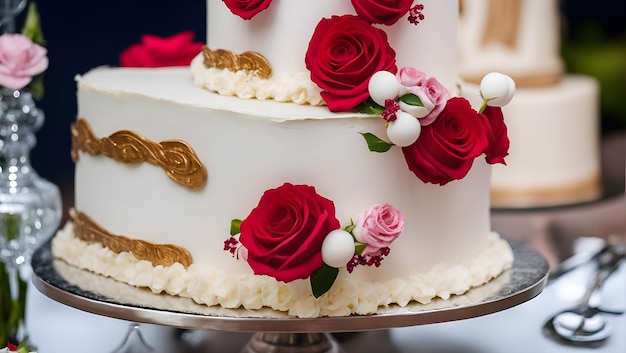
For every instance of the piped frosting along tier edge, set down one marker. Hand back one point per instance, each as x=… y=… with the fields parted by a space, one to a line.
x=211 y=286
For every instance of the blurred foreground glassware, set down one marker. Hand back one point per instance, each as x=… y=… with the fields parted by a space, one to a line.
x=30 y=206
x=9 y=9
x=134 y=341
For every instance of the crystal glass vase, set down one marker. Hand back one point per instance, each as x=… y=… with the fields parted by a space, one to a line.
x=30 y=207
x=9 y=9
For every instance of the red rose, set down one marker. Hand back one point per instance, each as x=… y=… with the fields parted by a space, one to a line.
x=386 y=12
x=153 y=51
x=446 y=149
x=344 y=52
x=284 y=233
x=498 y=147
x=247 y=9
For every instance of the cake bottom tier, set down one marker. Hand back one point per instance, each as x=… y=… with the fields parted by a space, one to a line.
x=349 y=295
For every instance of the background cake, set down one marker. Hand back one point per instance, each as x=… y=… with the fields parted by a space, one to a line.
x=192 y=177
x=554 y=121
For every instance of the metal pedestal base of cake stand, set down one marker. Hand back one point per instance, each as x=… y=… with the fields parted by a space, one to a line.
x=277 y=332
x=292 y=343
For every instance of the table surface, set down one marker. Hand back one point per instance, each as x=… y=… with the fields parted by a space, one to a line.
x=56 y=328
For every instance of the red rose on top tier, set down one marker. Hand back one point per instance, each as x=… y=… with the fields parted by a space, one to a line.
x=497 y=135
x=284 y=233
x=446 y=149
x=247 y=9
x=386 y=12
x=344 y=52
x=154 y=51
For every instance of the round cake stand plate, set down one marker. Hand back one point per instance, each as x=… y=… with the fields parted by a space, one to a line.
x=277 y=332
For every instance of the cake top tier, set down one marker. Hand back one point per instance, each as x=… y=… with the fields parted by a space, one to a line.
x=355 y=37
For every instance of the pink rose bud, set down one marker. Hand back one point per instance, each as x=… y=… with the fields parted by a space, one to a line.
x=497 y=89
x=378 y=227
x=410 y=76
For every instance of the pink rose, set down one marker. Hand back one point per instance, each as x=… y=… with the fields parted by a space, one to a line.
x=378 y=227
x=343 y=54
x=410 y=76
x=436 y=95
x=247 y=9
x=20 y=60
x=386 y=12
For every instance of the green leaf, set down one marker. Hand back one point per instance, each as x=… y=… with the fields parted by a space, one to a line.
x=350 y=227
x=411 y=99
x=36 y=87
x=370 y=107
x=322 y=279
x=376 y=144
x=359 y=247
x=235 y=226
x=32 y=26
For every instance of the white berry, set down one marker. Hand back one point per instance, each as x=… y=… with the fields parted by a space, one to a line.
x=497 y=89
x=405 y=130
x=384 y=85
x=337 y=248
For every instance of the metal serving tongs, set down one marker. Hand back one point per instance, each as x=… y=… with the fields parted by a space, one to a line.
x=583 y=323
x=583 y=258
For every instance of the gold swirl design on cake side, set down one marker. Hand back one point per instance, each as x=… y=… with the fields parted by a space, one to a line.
x=248 y=61
x=176 y=158
x=86 y=229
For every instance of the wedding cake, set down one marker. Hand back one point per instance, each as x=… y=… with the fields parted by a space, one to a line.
x=315 y=159
x=553 y=121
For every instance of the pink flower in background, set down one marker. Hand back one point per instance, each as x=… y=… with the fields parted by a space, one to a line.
x=20 y=60
x=154 y=51
x=378 y=227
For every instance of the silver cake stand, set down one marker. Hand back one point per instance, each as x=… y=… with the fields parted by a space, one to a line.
x=277 y=332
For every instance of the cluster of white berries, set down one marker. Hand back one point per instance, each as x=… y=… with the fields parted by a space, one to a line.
x=403 y=117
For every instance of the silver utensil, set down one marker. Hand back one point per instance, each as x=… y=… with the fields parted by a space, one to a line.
x=577 y=260
x=584 y=322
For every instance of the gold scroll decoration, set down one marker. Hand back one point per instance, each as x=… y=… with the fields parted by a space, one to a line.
x=249 y=61
x=86 y=229
x=503 y=20
x=176 y=158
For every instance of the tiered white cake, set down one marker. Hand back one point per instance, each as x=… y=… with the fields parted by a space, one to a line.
x=166 y=169
x=553 y=120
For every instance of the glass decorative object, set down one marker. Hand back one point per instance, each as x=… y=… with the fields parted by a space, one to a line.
x=30 y=206
x=9 y=9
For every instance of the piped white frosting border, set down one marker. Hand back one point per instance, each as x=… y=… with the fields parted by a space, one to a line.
x=297 y=88
x=210 y=286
